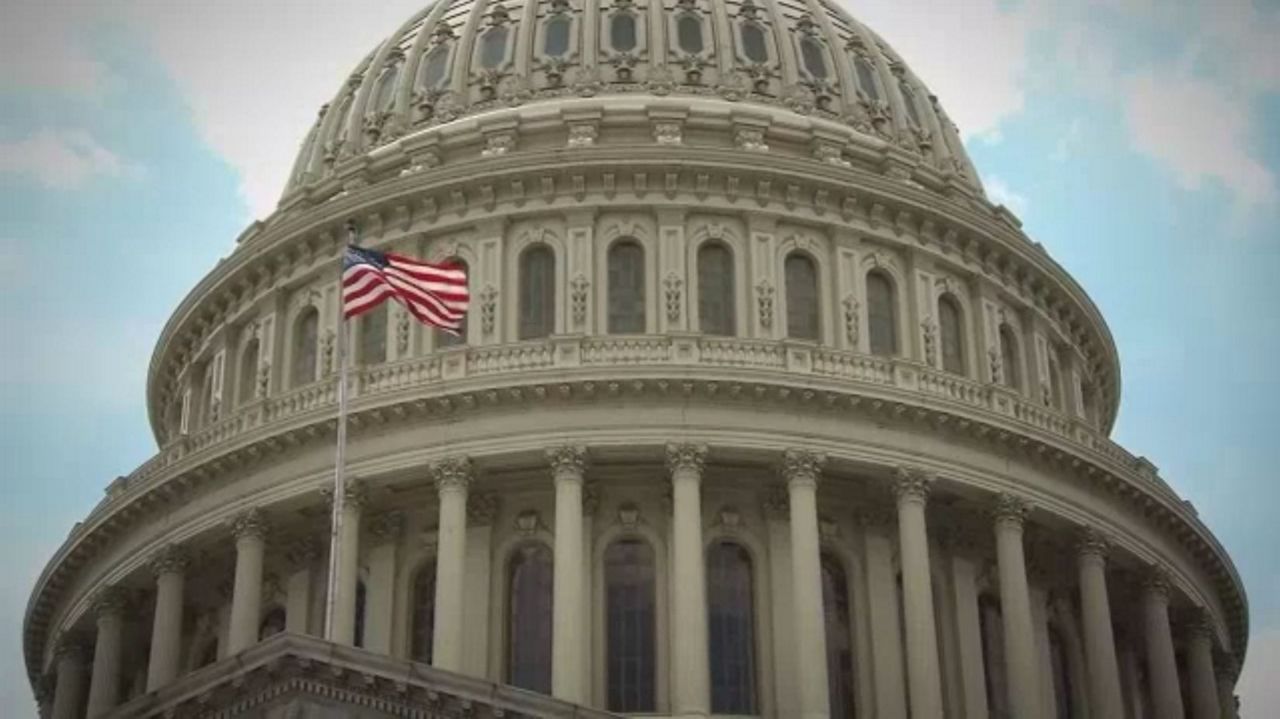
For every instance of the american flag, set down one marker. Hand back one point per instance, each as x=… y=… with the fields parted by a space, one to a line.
x=435 y=294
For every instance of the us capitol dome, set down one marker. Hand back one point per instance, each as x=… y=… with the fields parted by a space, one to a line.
x=762 y=409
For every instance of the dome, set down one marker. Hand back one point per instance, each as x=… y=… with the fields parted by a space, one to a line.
x=761 y=408
x=461 y=58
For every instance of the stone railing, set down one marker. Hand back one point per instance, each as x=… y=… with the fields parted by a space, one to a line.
x=296 y=675
x=902 y=378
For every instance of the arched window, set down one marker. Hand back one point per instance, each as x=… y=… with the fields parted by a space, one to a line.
x=432 y=71
x=909 y=101
x=1089 y=398
x=537 y=292
x=362 y=600
x=373 y=336
x=622 y=32
x=951 y=331
x=754 y=46
x=815 y=60
x=272 y=623
x=422 y=622
x=716 y=315
x=866 y=78
x=555 y=36
x=1055 y=380
x=630 y=628
x=529 y=618
x=1010 y=360
x=206 y=395
x=493 y=47
x=448 y=339
x=802 y=297
x=626 y=287
x=731 y=629
x=835 y=609
x=306 y=337
x=882 y=314
x=991 y=626
x=248 y=371
x=689 y=33
x=385 y=99
x=1062 y=687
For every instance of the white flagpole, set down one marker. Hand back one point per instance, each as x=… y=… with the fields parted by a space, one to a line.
x=339 y=466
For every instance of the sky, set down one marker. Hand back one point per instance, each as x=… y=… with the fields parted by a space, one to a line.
x=1138 y=141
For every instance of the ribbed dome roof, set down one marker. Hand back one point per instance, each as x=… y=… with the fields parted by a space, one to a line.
x=464 y=57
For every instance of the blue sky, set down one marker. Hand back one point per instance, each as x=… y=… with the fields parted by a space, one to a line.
x=1138 y=141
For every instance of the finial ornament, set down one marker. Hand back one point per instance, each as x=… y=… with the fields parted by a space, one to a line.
x=567 y=461
x=911 y=484
x=251 y=523
x=452 y=473
x=801 y=466
x=170 y=559
x=1092 y=543
x=1011 y=509
x=686 y=457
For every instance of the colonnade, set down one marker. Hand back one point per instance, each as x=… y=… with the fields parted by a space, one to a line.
x=919 y=689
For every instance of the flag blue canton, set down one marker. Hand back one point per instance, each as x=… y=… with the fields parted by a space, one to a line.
x=362 y=256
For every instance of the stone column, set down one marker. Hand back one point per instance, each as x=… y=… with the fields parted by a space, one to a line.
x=964 y=574
x=924 y=682
x=169 y=567
x=297 y=609
x=1162 y=667
x=883 y=614
x=1226 y=668
x=70 y=657
x=1099 y=642
x=250 y=532
x=453 y=479
x=482 y=509
x=104 y=683
x=386 y=530
x=690 y=672
x=343 y=630
x=568 y=665
x=1204 y=686
x=1021 y=661
x=800 y=469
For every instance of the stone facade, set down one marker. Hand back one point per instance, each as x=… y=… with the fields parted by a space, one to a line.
x=748 y=324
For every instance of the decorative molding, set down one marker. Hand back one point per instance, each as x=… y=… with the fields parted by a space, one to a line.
x=482 y=508
x=250 y=523
x=764 y=303
x=686 y=458
x=674 y=287
x=629 y=515
x=912 y=484
x=802 y=467
x=528 y=523
x=169 y=559
x=452 y=474
x=567 y=461
x=1011 y=509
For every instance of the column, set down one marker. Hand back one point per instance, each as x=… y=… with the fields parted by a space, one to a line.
x=1162 y=668
x=1021 y=661
x=250 y=532
x=777 y=515
x=386 y=530
x=964 y=579
x=1040 y=626
x=297 y=601
x=482 y=509
x=690 y=672
x=884 y=617
x=343 y=628
x=169 y=566
x=568 y=665
x=104 y=683
x=1204 y=686
x=1099 y=642
x=70 y=656
x=453 y=478
x=1226 y=667
x=801 y=469
x=911 y=486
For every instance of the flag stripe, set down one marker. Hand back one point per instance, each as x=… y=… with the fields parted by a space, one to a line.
x=435 y=294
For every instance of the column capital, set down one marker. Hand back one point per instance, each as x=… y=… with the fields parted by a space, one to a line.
x=451 y=473
x=1155 y=583
x=686 y=456
x=912 y=484
x=302 y=551
x=353 y=493
x=802 y=466
x=387 y=526
x=169 y=559
x=109 y=601
x=1200 y=624
x=775 y=503
x=1010 y=509
x=482 y=507
x=250 y=523
x=72 y=644
x=568 y=461
x=1091 y=542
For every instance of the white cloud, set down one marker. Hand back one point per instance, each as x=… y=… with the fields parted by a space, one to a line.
x=1258 y=689
x=999 y=192
x=1069 y=142
x=62 y=159
x=42 y=48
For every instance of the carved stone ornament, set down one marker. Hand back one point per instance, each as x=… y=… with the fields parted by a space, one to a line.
x=387 y=526
x=528 y=522
x=482 y=508
x=488 y=309
x=911 y=484
x=764 y=303
x=170 y=559
x=251 y=523
x=402 y=333
x=667 y=133
x=828 y=529
x=499 y=143
x=326 y=352
x=578 y=298
x=451 y=473
x=583 y=134
x=567 y=461
x=851 y=318
x=730 y=518
x=629 y=515
x=801 y=466
x=733 y=86
x=586 y=81
x=302 y=552
x=799 y=99
x=590 y=499
x=1011 y=509
x=661 y=81
x=109 y=601
x=775 y=503
x=686 y=457
x=353 y=493
x=831 y=154
x=750 y=139
x=72 y=644
x=996 y=363
x=674 y=287
x=263 y=381
x=1092 y=543
x=514 y=90
x=1155 y=582
x=930 y=329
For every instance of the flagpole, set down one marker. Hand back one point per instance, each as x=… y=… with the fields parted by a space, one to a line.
x=339 y=465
